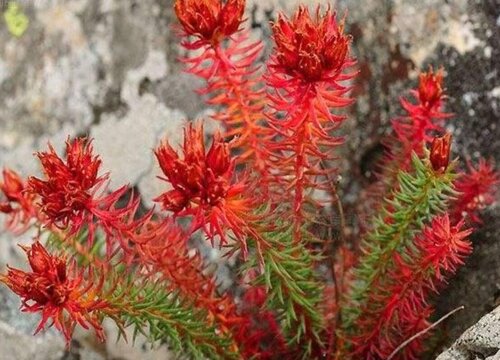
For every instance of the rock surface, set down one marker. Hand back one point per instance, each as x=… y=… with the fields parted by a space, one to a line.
x=16 y=334
x=481 y=341
x=19 y=346
x=107 y=68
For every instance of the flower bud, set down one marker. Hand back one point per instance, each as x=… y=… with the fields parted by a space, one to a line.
x=440 y=152
x=218 y=157
x=61 y=269
x=6 y=208
x=231 y=16
x=167 y=157
x=12 y=185
x=38 y=258
x=174 y=200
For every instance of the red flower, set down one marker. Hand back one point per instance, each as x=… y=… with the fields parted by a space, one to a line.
x=17 y=204
x=477 y=188
x=440 y=152
x=312 y=49
x=67 y=191
x=58 y=292
x=72 y=197
x=210 y=20
x=203 y=186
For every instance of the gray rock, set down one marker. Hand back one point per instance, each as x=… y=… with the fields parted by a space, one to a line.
x=107 y=68
x=10 y=253
x=481 y=341
x=16 y=333
x=49 y=75
x=131 y=350
x=16 y=345
x=126 y=144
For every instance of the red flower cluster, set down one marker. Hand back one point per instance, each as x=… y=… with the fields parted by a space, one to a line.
x=203 y=187
x=198 y=178
x=57 y=292
x=72 y=197
x=311 y=49
x=67 y=192
x=403 y=311
x=17 y=203
x=477 y=190
x=210 y=20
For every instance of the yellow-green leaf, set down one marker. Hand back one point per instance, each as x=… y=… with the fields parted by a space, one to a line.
x=17 y=22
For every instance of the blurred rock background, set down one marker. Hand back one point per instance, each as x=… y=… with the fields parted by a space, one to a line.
x=107 y=68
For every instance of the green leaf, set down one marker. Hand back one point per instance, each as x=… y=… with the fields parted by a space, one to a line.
x=294 y=292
